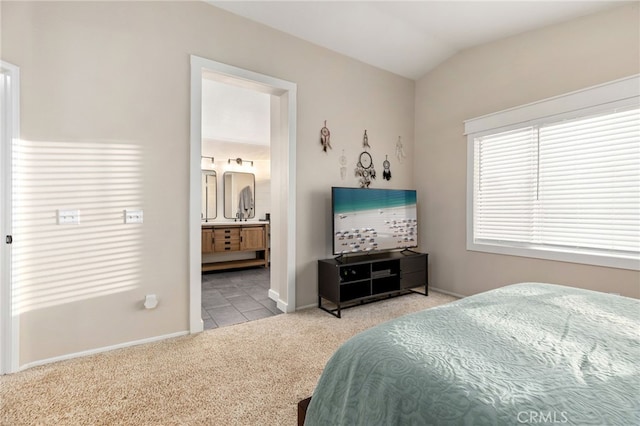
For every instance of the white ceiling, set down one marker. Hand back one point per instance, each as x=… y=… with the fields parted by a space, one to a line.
x=235 y=114
x=235 y=121
x=408 y=38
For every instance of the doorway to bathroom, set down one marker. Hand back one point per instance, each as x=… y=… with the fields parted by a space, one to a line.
x=242 y=195
x=236 y=202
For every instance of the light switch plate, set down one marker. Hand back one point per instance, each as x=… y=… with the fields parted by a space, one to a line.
x=133 y=216
x=68 y=217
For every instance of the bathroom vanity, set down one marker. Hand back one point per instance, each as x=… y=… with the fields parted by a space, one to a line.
x=221 y=243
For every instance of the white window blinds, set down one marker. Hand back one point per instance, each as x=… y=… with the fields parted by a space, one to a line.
x=505 y=192
x=571 y=185
x=589 y=183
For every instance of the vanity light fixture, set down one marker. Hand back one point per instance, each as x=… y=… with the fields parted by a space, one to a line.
x=206 y=165
x=239 y=161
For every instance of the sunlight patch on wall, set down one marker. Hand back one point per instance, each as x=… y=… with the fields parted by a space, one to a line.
x=54 y=264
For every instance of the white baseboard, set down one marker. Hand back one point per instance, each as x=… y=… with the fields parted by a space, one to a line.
x=280 y=304
x=439 y=290
x=273 y=295
x=313 y=305
x=100 y=350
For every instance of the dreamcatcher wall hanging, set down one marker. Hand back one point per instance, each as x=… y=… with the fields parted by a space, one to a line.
x=325 y=137
x=386 y=173
x=343 y=165
x=365 y=169
x=400 y=149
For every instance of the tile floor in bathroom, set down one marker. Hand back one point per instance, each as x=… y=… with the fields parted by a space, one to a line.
x=233 y=297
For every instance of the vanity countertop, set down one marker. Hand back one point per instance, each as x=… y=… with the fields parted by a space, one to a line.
x=243 y=223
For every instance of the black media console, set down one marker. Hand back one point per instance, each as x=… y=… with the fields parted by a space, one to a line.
x=350 y=281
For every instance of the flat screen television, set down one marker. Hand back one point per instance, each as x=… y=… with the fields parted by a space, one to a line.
x=369 y=220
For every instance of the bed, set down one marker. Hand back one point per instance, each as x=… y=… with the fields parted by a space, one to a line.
x=527 y=353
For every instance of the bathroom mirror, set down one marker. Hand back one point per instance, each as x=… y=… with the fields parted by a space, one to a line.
x=239 y=195
x=209 y=195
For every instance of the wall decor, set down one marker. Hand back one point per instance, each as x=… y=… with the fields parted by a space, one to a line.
x=365 y=140
x=365 y=169
x=239 y=161
x=400 y=149
x=325 y=137
x=386 y=173
x=343 y=165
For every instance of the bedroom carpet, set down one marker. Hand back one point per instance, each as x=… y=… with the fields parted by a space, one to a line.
x=247 y=374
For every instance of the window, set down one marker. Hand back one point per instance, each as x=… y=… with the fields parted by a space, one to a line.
x=559 y=179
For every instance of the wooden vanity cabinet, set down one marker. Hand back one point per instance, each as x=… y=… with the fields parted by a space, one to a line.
x=254 y=238
x=226 y=239
x=234 y=238
x=207 y=240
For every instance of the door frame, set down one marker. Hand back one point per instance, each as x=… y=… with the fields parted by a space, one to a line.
x=10 y=110
x=283 y=201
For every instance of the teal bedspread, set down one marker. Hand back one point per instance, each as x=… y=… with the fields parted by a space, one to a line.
x=527 y=353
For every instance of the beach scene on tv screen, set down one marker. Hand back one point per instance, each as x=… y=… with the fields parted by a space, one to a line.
x=374 y=219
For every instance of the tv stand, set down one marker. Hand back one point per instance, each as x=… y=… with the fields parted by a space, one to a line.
x=348 y=281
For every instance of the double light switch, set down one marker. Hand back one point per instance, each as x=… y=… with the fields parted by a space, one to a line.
x=68 y=217
x=133 y=216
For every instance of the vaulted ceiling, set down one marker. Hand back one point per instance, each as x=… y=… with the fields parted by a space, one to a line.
x=408 y=38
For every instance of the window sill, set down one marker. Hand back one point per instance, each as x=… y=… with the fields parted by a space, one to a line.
x=559 y=255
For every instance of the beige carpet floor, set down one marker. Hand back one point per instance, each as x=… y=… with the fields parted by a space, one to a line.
x=248 y=374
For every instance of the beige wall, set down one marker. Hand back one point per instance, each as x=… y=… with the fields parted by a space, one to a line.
x=105 y=125
x=489 y=78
